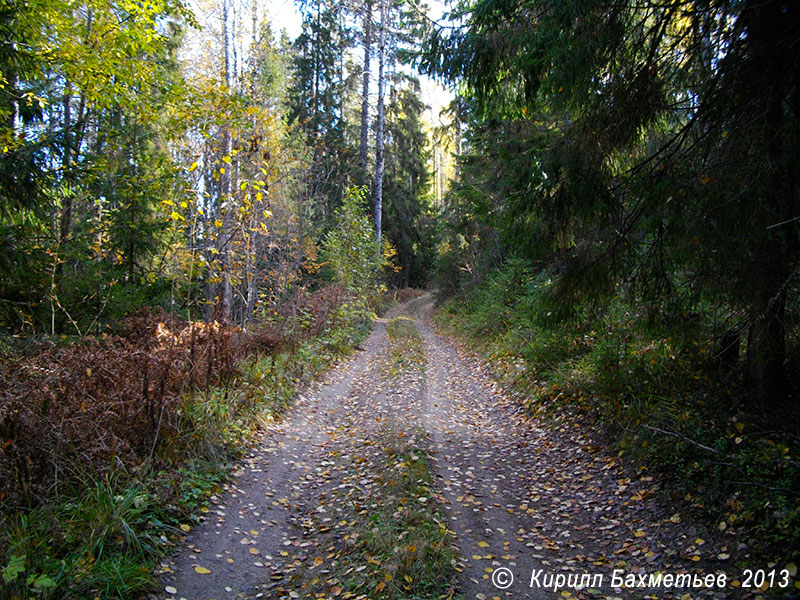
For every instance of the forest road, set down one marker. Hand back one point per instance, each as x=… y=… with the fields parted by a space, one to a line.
x=529 y=506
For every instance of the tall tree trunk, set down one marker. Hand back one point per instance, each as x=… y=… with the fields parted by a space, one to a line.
x=381 y=116
x=773 y=59
x=66 y=209
x=316 y=93
x=362 y=150
x=14 y=118
x=211 y=289
x=132 y=213
x=766 y=353
x=70 y=138
x=254 y=15
x=225 y=188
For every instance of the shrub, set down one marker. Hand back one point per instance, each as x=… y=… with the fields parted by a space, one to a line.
x=109 y=401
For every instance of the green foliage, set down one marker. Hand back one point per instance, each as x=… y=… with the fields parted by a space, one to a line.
x=99 y=541
x=350 y=248
x=316 y=95
x=105 y=517
x=638 y=146
x=98 y=532
x=656 y=389
x=82 y=213
x=409 y=218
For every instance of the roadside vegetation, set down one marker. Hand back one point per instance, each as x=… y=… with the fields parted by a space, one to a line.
x=118 y=443
x=622 y=234
x=112 y=444
x=661 y=392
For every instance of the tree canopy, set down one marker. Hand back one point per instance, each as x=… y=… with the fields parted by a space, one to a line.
x=645 y=143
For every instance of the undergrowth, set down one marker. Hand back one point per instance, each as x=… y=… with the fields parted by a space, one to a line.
x=111 y=446
x=658 y=392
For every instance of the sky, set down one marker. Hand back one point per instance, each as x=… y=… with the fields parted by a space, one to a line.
x=285 y=15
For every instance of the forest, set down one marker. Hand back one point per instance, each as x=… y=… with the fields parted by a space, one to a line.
x=205 y=219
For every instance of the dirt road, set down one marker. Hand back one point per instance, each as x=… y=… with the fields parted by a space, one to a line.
x=535 y=513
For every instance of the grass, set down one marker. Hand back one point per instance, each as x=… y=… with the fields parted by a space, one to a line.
x=406 y=350
x=102 y=536
x=100 y=542
x=392 y=542
x=653 y=386
x=404 y=530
